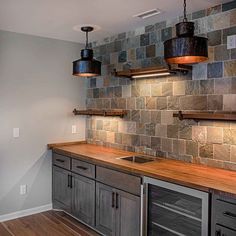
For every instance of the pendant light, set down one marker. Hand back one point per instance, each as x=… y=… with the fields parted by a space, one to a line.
x=185 y=48
x=87 y=66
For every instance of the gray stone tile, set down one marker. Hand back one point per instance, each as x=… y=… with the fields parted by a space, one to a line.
x=144 y=40
x=140 y=103
x=173 y=103
x=199 y=71
x=155 y=143
x=166 y=34
x=155 y=117
x=221 y=152
x=135 y=115
x=228 y=32
x=214 y=135
x=206 y=150
x=166 y=145
x=192 y=87
x=161 y=103
x=193 y=103
x=214 y=38
x=221 y=53
x=192 y=148
x=214 y=10
x=167 y=89
x=145 y=116
x=122 y=56
x=149 y=28
x=229 y=136
x=140 y=53
x=198 y=14
x=207 y=86
x=172 y=131
x=228 y=6
x=215 y=70
x=230 y=68
x=150 y=51
x=161 y=131
x=222 y=86
x=145 y=141
x=150 y=103
x=150 y=129
x=215 y=102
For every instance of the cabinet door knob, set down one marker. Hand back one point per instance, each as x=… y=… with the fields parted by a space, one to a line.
x=113 y=200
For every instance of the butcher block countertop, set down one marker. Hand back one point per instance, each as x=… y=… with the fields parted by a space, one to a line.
x=196 y=176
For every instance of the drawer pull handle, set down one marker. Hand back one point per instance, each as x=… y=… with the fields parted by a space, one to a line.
x=68 y=181
x=117 y=200
x=113 y=200
x=229 y=214
x=81 y=167
x=59 y=160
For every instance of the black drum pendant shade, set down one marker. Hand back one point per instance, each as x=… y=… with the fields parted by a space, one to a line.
x=87 y=66
x=185 y=48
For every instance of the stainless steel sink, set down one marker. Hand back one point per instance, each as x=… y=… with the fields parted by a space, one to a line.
x=137 y=159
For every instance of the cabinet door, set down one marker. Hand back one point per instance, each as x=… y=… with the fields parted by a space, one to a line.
x=127 y=214
x=83 y=199
x=61 y=189
x=105 y=211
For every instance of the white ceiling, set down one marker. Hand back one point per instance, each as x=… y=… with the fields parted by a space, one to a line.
x=56 y=18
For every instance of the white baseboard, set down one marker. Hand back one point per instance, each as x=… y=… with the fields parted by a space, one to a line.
x=26 y=212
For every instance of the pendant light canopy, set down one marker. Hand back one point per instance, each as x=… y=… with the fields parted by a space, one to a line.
x=87 y=66
x=185 y=48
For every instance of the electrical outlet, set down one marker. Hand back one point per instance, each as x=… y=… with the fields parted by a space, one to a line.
x=73 y=129
x=231 y=41
x=16 y=132
x=23 y=189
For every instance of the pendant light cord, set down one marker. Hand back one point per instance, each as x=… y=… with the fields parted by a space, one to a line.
x=86 y=46
x=185 y=14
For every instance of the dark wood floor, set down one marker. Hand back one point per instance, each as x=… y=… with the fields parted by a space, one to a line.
x=50 y=223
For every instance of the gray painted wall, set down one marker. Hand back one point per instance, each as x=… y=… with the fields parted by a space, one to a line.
x=37 y=94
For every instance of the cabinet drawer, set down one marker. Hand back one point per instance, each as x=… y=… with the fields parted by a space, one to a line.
x=61 y=161
x=225 y=213
x=126 y=182
x=83 y=168
x=222 y=231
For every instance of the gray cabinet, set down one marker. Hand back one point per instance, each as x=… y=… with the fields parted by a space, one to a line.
x=127 y=214
x=83 y=199
x=61 y=189
x=105 y=214
x=117 y=212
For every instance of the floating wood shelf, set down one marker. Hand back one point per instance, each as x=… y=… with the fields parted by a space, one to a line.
x=97 y=112
x=153 y=71
x=223 y=116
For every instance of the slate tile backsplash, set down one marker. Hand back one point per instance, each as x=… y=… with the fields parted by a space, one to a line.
x=149 y=126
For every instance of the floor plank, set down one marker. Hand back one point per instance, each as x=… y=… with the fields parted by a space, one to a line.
x=3 y=231
x=50 y=223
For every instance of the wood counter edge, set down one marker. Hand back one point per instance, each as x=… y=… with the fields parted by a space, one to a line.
x=50 y=146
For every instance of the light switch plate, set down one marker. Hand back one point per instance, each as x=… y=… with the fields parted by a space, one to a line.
x=23 y=189
x=231 y=42
x=73 y=129
x=16 y=132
